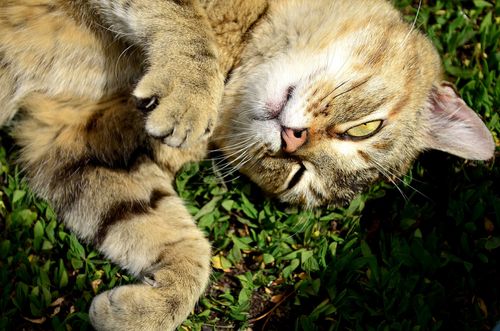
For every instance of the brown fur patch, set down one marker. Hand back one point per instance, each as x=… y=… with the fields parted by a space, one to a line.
x=124 y=210
x=402 y=102
x=383 y=144
x=365 y=156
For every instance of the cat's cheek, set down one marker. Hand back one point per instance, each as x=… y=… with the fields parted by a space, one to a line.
x=345 y=149
x=350 y=153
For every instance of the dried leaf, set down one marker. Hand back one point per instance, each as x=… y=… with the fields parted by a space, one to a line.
x=276 y=298
x=278 y=281
x=56 y=311
x=482 y=307
x=221 y=263
x=57 y=302
x=488 y=225
x=95 y=284
x=40 y=320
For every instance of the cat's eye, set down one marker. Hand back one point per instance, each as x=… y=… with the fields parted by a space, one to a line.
x=364 y=130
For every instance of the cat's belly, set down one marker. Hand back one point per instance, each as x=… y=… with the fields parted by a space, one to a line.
x=44 y=49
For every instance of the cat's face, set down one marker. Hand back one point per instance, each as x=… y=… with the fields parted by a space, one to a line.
x=330 y=96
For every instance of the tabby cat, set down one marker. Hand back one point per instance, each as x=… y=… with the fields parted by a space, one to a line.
x=321 y=98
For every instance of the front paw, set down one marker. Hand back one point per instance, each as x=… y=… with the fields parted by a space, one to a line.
x=179 y=110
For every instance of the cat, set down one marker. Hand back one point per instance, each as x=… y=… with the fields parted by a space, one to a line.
x=112 y=97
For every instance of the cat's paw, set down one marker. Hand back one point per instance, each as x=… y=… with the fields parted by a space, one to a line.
x=137 y=307
x=181 y=108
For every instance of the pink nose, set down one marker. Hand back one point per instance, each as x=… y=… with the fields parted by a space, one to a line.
x=293 y=139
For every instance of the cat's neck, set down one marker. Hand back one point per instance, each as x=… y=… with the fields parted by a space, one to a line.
x=232 y=21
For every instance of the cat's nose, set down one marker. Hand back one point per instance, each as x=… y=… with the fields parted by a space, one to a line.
x=293 y=139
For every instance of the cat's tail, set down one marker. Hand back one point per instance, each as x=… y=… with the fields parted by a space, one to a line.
x=98 y=168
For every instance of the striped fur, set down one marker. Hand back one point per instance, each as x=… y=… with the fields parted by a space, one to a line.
x=111 y=184
x=114 y=96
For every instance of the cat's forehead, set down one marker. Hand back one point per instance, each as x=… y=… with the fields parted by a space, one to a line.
x=339 y=90
x=354 y=82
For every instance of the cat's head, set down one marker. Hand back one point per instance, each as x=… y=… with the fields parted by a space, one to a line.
x=330 y=96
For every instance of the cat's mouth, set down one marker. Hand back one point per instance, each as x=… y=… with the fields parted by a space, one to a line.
x=297 y=172
x=285 y=176
x=295 y=176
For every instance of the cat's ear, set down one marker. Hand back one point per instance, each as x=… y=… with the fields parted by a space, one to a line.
x=454 y=128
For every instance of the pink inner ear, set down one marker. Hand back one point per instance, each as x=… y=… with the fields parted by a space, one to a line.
x=448 y=102
x=455 y=128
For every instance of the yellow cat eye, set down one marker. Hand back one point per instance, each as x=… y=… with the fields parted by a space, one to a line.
x=364 y=130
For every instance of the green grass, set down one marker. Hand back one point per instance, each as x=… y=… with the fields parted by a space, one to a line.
x=427 y=262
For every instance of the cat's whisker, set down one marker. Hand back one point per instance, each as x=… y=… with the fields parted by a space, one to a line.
x=232 y=135
x=239 y=122
x=116 y=33
x=243 y=154
x=413 y=188
x=233 y=169
x=352 y=88
x=120 y=56
x=256 y=157
x=224 y=159
x=393 y=175
x=234 y=146
x=222 y=175
x=225 y=180
x=413 y=24
x=235 y=151
x=240 y=150
x=303 y=222
x=217 y=158
x=227 y=159
x=248 y=157
x=333 y=91
x=389 y=178
x=243 y=134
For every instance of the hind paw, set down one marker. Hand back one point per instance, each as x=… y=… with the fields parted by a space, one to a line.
x=136 y=307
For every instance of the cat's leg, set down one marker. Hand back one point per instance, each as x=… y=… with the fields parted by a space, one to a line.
x=97 y=168
x=171 y=256
x=182 y=86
